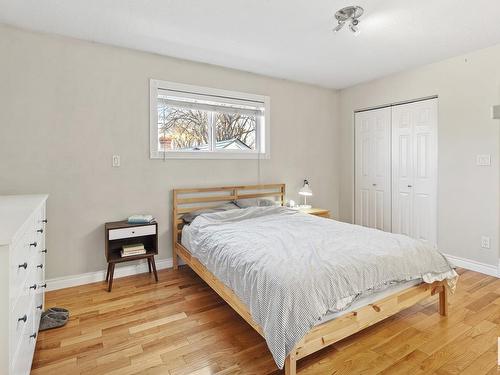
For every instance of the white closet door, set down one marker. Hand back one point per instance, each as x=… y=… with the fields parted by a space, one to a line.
x=414 y=172
x=373 y=168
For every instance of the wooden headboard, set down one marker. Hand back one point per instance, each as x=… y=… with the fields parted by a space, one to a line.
x=189 y=200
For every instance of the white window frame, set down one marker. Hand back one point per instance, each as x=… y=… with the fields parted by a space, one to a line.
x=263 y=148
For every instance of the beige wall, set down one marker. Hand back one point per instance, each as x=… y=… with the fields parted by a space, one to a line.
x=468 y=195
x=67 y=106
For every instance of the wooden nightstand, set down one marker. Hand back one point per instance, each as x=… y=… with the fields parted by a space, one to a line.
x=121 y=233
x=317 y=212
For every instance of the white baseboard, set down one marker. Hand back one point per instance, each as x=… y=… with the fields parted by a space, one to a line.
x=92 y=277
x=472 y=265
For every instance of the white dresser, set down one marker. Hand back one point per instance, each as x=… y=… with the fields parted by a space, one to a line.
x=22 y=279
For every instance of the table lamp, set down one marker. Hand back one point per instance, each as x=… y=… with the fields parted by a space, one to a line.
x=305 y=191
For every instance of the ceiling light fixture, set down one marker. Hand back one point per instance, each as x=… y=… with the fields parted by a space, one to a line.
x=350 y=16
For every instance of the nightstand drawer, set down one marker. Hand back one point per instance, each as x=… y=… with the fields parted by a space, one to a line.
x=145 y=230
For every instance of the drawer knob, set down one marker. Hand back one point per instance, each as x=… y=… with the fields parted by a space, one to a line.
x=40 y=230
x=40 y=266
x=43 y=285
x=24 y=265
x=44 y=251
x=33 y=336
x=34 y=244
x=44 y=221
x=39 y=307
x=23 y=319
x=33 y=287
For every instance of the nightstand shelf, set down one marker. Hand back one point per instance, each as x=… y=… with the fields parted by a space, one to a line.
x=119 y=233
x=117 y=258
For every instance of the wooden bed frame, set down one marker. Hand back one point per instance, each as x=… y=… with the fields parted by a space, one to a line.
x=320 y=336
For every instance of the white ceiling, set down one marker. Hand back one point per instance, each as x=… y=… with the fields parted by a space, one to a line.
x=289 y=39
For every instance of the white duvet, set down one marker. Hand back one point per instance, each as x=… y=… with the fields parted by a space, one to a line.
x=291 y=269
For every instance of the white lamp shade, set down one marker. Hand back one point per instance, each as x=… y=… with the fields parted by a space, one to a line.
x=306 y=190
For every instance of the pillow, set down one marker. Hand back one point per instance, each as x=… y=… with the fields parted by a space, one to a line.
x=190 y=216
x=255 y=202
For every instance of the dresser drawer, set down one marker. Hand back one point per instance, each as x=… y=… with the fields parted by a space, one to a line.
x=23 y=356
x=21 y=249
x=146 y=230
x=21 y=264
x=20 y=319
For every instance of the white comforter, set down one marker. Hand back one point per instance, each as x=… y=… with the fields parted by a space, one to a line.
x=291 y=268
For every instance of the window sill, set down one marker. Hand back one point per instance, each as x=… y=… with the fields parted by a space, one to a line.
x=209 y=155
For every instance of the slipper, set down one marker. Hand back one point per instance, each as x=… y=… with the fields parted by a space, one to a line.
x=52 y=320
x=56 y=310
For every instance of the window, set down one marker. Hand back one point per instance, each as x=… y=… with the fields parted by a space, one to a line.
x=198 y=122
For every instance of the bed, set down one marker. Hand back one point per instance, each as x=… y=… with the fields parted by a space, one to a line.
x=302 y=282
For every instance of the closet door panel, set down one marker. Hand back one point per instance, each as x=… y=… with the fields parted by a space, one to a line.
x=402 y=166
x=373 y=169
x=425 y=170
x=364 y=203
x=364 y=151
x=414 y=170
x=402 y=217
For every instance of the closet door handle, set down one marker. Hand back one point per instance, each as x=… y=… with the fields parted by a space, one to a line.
x=44 y=221
x=33 y=336
x=34 y=244
x=23 y=319
x=40 y=266
x=24 y=265
x=44 y=251
x=39 y=307
x=40 y=230
x=374 y=184
x=410 y=186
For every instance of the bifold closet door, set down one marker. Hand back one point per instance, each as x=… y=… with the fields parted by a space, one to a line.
x=373 y=168
x=414 y=170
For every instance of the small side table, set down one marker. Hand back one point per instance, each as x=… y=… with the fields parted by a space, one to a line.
x=119 y=233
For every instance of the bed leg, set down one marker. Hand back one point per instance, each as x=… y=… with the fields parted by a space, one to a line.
x=291 y=364
x=443 y=301
x=175 y=259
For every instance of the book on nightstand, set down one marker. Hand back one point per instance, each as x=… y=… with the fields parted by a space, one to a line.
x=133 y=249
x=140 y=219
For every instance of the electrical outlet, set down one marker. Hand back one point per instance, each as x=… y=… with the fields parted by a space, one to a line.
x=116 y=161
x=485 y=242
x=483 y=160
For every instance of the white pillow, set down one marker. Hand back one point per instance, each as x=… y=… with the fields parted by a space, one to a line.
x=255 y=202
x=189 y=217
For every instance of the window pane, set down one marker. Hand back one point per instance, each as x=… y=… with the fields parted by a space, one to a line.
x=235 y=132
x=182 y=129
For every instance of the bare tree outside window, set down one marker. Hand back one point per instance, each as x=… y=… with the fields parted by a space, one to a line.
x=236 y=127
x=188 y=129
x=182 y=128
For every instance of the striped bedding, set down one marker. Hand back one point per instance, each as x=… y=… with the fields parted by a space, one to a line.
x=291 y=269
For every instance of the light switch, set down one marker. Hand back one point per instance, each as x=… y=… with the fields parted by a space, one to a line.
x=483 y=160
x=116 y=161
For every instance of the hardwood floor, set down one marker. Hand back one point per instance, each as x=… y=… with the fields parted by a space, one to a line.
x=180 y=326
